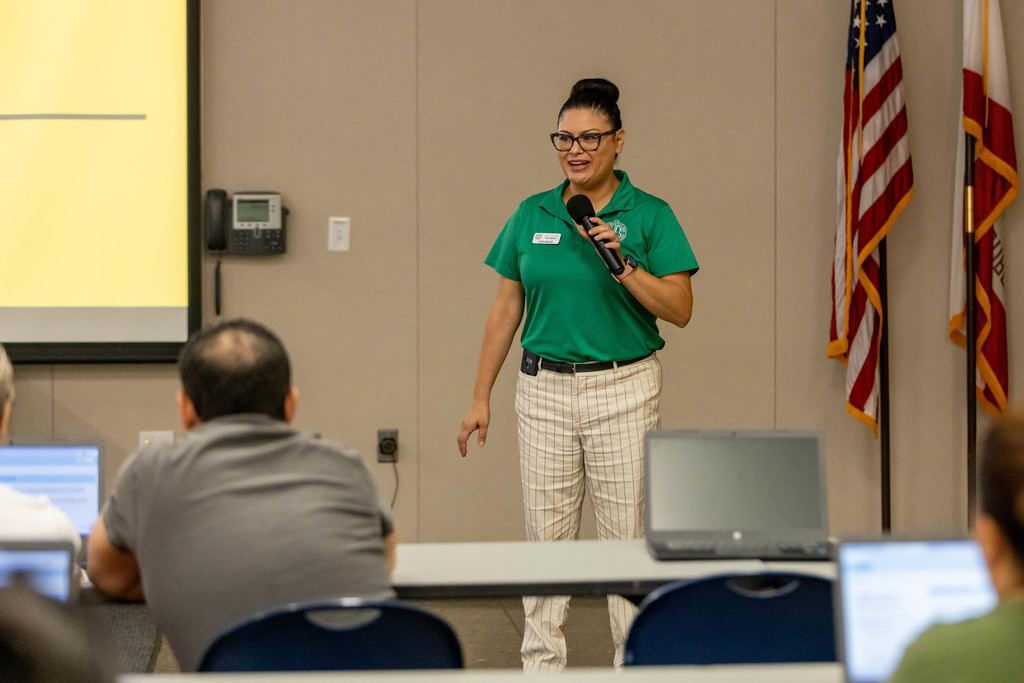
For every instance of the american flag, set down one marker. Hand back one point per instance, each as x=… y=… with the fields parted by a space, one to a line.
x=987 y=117
x=875 y=182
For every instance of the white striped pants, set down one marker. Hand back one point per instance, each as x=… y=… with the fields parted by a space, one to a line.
x=575 y=431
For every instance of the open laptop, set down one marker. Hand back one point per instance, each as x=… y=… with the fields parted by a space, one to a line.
x=890 y=590
x=735 y=494
x=47 y=567
x=68 y=472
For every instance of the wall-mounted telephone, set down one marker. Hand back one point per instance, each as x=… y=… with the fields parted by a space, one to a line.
x=246 y=224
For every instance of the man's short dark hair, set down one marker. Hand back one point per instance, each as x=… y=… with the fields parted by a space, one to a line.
x=1001 y=477
x=235 y=367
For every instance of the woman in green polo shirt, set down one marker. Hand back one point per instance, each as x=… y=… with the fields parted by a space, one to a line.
x=590 y=383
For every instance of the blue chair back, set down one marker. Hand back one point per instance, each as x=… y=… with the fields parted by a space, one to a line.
x=735 y=619
x=343 y=634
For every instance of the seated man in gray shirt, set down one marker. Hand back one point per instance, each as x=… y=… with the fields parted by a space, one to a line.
x=244 y=513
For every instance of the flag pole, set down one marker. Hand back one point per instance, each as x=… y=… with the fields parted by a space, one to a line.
x=971 y=265
x=883 y=399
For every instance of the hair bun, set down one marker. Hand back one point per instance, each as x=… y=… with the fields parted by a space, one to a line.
x=599 y=85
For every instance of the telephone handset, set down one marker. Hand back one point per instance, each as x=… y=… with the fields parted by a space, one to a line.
x=246 y=224
x=216 y=220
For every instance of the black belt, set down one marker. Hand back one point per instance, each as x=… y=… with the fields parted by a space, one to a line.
x=531 y=359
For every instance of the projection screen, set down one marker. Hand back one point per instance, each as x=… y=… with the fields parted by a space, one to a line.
x=99 y=183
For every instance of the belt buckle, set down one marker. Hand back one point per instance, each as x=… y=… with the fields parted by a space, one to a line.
x=565 y=367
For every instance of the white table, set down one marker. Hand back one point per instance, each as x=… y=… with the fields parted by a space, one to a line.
x=427 y=571
x=746 y=673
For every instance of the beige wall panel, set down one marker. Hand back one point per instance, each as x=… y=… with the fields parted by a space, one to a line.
x=811 y=52
x=697 y=84
x=1013 y=217
x=316 y=99
x=927 y=369
x=114 y=403
x=32 y=411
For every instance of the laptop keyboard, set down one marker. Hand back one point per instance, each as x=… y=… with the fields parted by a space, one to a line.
x=731 y=548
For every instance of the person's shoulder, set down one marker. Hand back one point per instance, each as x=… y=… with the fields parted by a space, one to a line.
x=330 y=447
x=27 y=517
x=648 y=201
x=150 y=456
x=975 y=649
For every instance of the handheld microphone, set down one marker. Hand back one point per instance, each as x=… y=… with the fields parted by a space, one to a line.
x=581 y=210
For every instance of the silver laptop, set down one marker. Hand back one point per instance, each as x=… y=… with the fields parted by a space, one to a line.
x=68 y=472
x=735 y=494
x=48 y=567
x=890 y=590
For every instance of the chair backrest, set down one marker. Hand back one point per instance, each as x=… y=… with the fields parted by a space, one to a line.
x=342 y=634
x=727 y=619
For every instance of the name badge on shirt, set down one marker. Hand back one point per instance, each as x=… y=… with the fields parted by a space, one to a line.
x=546 y=237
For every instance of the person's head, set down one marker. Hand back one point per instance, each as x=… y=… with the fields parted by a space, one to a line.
x=592 y=110
x=1000 y=526
x=6 y=392
x=235 y=367
x=43 y=640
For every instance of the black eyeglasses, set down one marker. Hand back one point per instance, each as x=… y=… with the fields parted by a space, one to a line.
x=588 y=142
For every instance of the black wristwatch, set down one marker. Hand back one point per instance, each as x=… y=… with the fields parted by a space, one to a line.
x=629 y=264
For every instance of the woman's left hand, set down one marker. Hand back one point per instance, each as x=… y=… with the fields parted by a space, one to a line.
x=602 y=233
x=669 y=297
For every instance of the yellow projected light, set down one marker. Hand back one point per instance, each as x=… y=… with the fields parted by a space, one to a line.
x=93 y=137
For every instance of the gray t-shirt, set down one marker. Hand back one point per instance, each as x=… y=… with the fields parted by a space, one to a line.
x=242 y=515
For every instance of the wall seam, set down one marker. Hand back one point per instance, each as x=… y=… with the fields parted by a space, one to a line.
x=418 y=508
x=775 y=214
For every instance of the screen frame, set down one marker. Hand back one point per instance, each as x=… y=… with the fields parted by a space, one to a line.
x=65 y=547
x=150 y=352
x=840 y=586
x=101 y=466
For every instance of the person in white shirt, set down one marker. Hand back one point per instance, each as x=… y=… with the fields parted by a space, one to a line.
x=25 y=517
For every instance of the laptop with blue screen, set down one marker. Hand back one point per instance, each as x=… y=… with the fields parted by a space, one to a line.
x=47 y=567
x=69 y=472
x=891 y=590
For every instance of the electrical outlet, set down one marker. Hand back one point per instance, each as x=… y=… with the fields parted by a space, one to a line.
x=387 y=445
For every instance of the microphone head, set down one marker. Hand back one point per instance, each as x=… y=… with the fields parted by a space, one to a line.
x=579 y=207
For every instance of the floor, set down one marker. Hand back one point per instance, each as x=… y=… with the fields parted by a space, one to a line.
x=491 y=630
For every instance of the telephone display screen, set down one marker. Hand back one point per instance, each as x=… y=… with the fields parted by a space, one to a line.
x=253 y=211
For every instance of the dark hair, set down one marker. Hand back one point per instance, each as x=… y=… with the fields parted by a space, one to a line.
x=1001 y=478
x=596 y=94
x=237 y=366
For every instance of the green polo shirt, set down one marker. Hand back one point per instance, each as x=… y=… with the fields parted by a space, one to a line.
x=575 y=310
x=988 y=649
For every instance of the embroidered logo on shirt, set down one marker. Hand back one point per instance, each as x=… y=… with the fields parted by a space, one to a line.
x=619 y=227
x=546 y=237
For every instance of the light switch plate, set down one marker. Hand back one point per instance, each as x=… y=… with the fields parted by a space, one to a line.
x=338 y=230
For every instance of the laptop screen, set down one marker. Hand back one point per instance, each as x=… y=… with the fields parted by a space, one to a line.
x=750 y=481
x=69 y=473
x=890 y=591
x=46 y=566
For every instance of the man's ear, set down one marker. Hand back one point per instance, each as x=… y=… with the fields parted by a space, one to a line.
x=989 y=537
x=189 y=419
x=291 y=403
